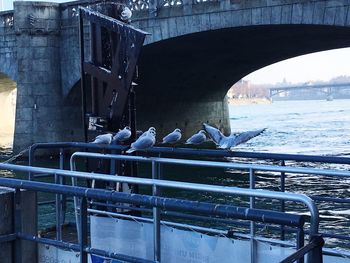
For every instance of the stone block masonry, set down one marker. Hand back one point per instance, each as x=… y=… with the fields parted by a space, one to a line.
x=195 y=53
x=39 y=99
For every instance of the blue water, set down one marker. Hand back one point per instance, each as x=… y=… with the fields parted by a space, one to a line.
x=307 y=127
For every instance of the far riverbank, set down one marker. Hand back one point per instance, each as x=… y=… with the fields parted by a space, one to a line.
x=249 y=101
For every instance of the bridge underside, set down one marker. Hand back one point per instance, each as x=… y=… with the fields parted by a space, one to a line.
x=184 y=80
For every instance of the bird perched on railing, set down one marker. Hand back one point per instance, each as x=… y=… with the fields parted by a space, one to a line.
x=172 y=137
x=197 y=138
x=144 y=142
x=122 y=135
x=103 y=139
x=227 y=142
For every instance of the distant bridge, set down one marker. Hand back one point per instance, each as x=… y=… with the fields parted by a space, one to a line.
x=197 y=50
x=329 y=89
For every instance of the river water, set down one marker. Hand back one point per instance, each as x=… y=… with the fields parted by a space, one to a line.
x=295 y=127
x=306 y=127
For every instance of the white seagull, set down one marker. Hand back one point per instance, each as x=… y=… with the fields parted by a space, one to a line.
x=197 y=138
x=150 y=130
x=227 y=142
x=145 y=141
x=126 y=14
x=122 y=135
x=172 y=137
x=103 y=138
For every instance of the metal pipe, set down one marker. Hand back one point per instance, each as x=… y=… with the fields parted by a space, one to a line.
x=242 y=166
x=76 y=202
x=161 y=202
x=58 y=211
x=62 y=199
x=203 y=152
x=283 y=189
x=76 y=247
x=156 y=217
x=313 y=209
x=83 y=230
x=252 y=223
x=314 y=222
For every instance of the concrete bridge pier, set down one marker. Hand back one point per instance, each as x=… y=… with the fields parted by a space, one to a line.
x=187 y=115
x=38 y=112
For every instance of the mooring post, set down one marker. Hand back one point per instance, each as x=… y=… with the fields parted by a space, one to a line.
x=6 y=223
x=18 y=215
x=25 y=221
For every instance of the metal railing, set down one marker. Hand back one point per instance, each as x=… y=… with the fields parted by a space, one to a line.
x=251 y=156
x=314 y=222
x=154 y=201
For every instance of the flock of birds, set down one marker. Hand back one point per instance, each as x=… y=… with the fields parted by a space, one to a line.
x=148 y=139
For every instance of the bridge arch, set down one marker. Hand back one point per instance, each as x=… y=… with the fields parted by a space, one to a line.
x=199 y=68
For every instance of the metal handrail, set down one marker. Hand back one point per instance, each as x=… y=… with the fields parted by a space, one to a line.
x=215 y=164
x=197 y=152
x=314 y=221
x=103 y=194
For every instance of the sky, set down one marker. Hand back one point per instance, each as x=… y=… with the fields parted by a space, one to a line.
x=317 y=66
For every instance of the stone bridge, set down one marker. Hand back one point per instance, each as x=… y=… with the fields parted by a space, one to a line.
x=196 y=51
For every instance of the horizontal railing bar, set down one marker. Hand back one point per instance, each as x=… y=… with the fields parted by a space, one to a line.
x=133 y=208
x=259 y=215
x=214 y=164
x=201 y=152
x=171 y=184
x=182 y=185
x=76 y=247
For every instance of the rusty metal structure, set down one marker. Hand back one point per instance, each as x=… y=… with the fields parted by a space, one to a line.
x=107 y=76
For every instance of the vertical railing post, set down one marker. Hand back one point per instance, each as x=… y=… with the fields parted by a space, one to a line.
x=30 y=161
x=83 y=231
x=282 y=187
x=58 y=210
x=156 y=215
x=62 y=181
x=300 y=241
x=76 y=202
x=252 y=224
x=315 y=255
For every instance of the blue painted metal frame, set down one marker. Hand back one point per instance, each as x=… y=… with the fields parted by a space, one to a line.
x=154 y=201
